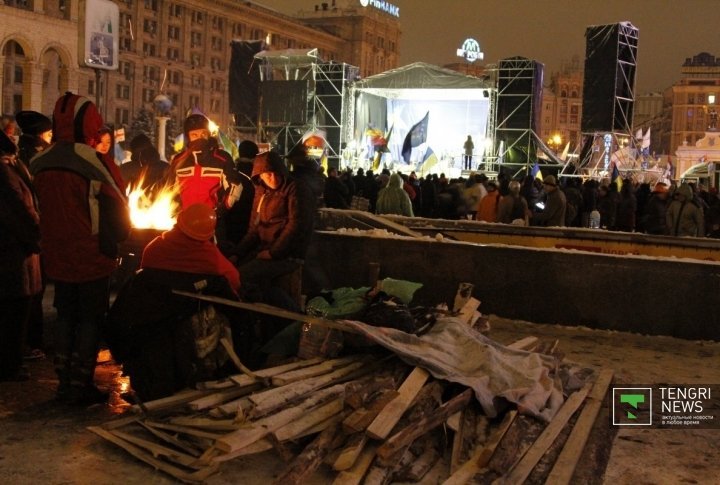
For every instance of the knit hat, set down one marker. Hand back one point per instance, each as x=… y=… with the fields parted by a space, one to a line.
x=268 y=162
x=33 y=123
x=7 y=147
x=76 y=120
x=247 y=149
x=198 y=222
x=195 y=122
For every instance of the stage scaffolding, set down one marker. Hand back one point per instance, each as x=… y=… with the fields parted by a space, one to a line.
x=517 y=105
x=300 y=94
x=608 y=100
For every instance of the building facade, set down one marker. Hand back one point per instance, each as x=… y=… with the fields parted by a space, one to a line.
x=688 y=105
x=177 y=47
x=562 y=107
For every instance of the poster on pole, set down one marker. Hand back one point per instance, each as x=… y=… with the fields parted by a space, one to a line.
x=100 y=46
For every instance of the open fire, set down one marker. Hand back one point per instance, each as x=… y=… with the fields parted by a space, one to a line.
x=152 y=208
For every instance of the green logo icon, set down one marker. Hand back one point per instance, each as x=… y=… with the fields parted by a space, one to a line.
x=634 y=400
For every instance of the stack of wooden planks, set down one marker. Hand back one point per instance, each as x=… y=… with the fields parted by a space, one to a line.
x=370 y=418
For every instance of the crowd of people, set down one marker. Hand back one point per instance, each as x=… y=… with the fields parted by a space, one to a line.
x=686 y=209
x=246 y=223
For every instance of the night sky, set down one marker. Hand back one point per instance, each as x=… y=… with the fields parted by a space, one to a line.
x=551 y=31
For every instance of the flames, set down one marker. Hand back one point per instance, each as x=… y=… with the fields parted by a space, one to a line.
x=151 y=208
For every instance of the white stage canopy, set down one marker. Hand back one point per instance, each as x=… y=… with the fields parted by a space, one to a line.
x=458 y=106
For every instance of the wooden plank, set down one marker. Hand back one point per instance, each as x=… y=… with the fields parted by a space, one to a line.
x=236 y=408
x=272 y=399
x=423 y=464
x=482 y=454
x=188 y=448
x=159 y=450
x=270 y=310
x=463 y=294
x=259 y=446
x=243 y=380
x=414 y=430
x=566 y=463
x=354 y=475
x=454 y=422
x=468 y=310
x=522 y=468
x=457 y=444
x=205 y=423
x=524 y=344
x=312 y=371
x=256 y=430
x=161 y=465
x=361 y=418
x=218 y=398
x=176 y=400
x=310 y=458
x=383 y=424
x=310 y=419
x=185 y=430
x=350 y=453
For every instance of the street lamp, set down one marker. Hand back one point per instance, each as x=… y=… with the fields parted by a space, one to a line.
x=554 y=142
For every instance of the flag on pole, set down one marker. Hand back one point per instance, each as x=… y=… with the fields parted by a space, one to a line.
x=415 y=137
x=536 y=173
x=429 y=161
x=565 y=152
x=615 y=178
x=646 y=143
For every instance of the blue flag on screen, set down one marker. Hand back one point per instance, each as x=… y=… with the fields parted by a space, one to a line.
x=415 y=137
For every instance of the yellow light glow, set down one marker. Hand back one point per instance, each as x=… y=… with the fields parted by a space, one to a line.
x=158 y=213
x=213 y=127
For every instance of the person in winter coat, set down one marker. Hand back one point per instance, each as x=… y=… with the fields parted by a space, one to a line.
x=393 y=199
x=281 y=224
x=188 y=247
x=36 y=137
x=627 y=207
x=233 y=226
x=36 y=134
x=145 y=169
x=84 y=216
x=204 y=172
x=336 y=192
x=488 y=206
x=607 y=203
x=307 y=170
x=655 y=213
x=554 y=212
x=20 y=278
x=684 y=217
x=513 y=206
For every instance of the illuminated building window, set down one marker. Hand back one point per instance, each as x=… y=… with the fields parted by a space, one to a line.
x=197 y=17
x=173 y=54
x=122 y=91
x=173 y=32
x=151 y=5
x=149 y=26
x=175 y=10
x=149 y=49
x=195 y=39
x=148 y=95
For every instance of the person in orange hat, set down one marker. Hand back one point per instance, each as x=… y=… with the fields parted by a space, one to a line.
x=656 y=210
x=188 y=247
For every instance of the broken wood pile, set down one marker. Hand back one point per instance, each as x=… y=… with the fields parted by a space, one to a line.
x=371 y=419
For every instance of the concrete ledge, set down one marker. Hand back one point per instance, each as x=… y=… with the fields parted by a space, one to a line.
x=635 y=294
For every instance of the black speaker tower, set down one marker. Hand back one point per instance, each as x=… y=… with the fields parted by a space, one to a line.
x=609 y=84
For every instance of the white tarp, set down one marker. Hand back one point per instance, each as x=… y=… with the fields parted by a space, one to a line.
x=455 y=352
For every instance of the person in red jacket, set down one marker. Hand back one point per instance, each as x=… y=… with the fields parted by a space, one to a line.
x=84 y=214
x=203 y=172
x=188 y=247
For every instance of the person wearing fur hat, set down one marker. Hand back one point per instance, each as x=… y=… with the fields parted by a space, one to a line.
x=36 y=134
x=205 y=173
x=84 y=216
x=280 y=227
x=20 y=279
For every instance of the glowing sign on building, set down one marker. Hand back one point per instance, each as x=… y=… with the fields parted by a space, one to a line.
x=386 y=7
x=470 y=51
